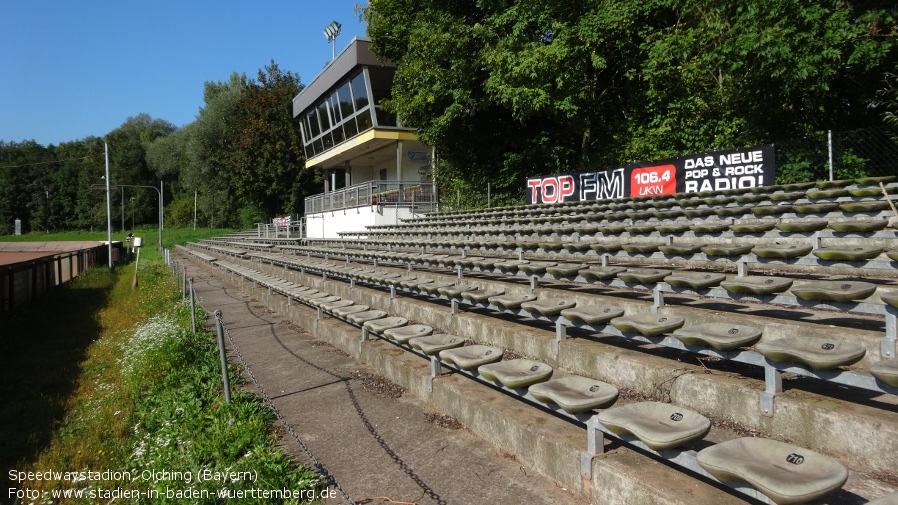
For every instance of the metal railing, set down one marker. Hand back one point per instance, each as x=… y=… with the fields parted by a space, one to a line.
x=373 y=193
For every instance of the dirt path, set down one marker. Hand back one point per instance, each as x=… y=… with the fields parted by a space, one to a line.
x=376 y=443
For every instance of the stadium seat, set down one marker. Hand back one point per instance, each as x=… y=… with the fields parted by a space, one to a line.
x=680 y=249
x=816 y=353
x=339 y=304
x=592 y=315
x=565 y=269
x=575 y=394
x=643 y=275
x=387 y=323
x=510 y=302
x=886 y=371
x=536 y=267
x=516 y=373
x=433 y=344
x=434 y=288
x=859 y=226
x=727 y=249
x=889 y=299
x=316 y=302
x=753 y=227
x=601 y=273
x=858 y=253
x=720 y=336
x=456 y=291
x=641 y=247
x=815 y=208
x=781 y=251
x=548 y=308
x=363 y=317
x=482 y=295
x=658 y=425
x=801 y=226
x=864 y=206
x=648 y=324
x=783 y=472
x=835 y=291
x=470 y=357
x=756 y=285
x=694 y=280
x=403 y=334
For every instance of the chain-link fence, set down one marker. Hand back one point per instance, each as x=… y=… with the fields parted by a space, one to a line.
x=869 y=152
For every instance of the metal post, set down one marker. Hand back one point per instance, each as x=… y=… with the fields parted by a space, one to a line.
x=221 y=353
x=192 y=306
x=184 y=286
x=108 y=208
x=830 y=135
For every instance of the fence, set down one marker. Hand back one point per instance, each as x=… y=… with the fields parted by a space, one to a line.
x=373 y=193
x=24 y=281
x=869 y=152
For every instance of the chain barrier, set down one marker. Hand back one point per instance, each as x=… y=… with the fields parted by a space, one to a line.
x=329 y=479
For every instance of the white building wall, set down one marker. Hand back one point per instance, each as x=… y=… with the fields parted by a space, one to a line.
x=330 y=224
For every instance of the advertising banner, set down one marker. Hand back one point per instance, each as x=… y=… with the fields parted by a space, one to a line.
x=734 y=169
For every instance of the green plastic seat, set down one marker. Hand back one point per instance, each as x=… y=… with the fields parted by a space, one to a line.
x=710 y=227
x=470 y=357
x=648 y=324
x=576 y=246
x=864 y=206
x=727 y=249
x=565 y=269
x=575 y=394
x=308 y=296
x=433 y=344
x=316 y=302
x=641 y=247
x=766 y=210
x=732 y=211
x=815 y=208
x=802 y=226
x=756 y=285
x=612 y=229
x=411 y=281
x=680 y=249
x=551 y=245
x=720 y=336
x=867 y=191
x=510 y=266
x=695 y=280
x=859 y=226
x=841 y=183
x=339 y=304
x=693 y=212
x=847 y=253
x=456 y=291
x=658 y=425
x=384 y=324
x=536 y=267
x=510 y=302
x=676 y=227
x=781 y=251
x=434 y=288
x=592 y=315
x=892 y=254
x=640 y=229
x=516 y=373
x=869 y=181
x=643 y=275
x=889 y=299
x=606 y=246
x=750 y=198
x=344 y=312
x=834 y=291
x=482 y=295
x=797 y=186
x=753 y=226
x=601 y=273
x=467 y=262
x=785 y=473
x=368 y=315
x=816 y=193
x=548 y=308
x=818 y=354
x=403 y=334
x=886 y=371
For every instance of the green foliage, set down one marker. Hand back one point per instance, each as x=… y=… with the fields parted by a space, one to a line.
x=250 y=215
x=510 y=89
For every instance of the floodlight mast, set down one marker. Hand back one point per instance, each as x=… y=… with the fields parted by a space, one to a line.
x=331 y=32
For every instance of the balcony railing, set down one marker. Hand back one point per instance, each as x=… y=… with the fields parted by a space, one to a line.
x=414 y=193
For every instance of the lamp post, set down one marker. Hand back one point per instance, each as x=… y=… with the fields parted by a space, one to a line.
x=132 y=212
x=159 y=193
x=331 y=31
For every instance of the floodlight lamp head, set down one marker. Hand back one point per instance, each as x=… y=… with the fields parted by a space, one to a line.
x=332 y=30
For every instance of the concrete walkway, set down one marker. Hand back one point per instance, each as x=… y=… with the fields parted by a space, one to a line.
x=377 y=444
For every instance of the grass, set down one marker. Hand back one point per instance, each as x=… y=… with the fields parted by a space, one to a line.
x=114 y=380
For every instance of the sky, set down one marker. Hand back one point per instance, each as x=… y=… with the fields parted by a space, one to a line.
x=70 y=70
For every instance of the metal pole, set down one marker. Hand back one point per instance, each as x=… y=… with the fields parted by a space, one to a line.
x=184 y=286
x=221 y=353
x=108 y=207
x=830 y=134
x=192 y=306
x=160 y=215
x=123 y=209
x=194 y=210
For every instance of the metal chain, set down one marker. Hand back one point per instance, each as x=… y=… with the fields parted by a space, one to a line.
x=317 y=464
